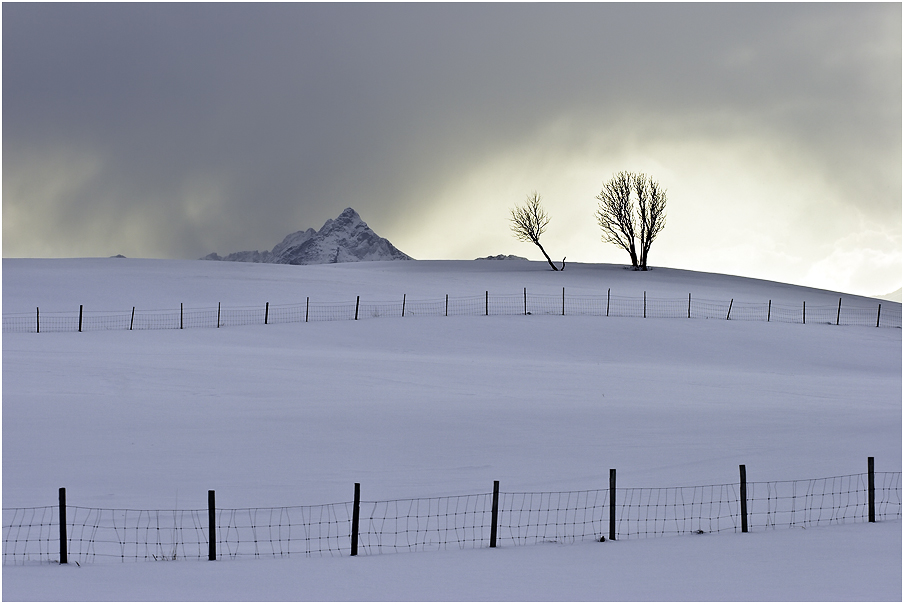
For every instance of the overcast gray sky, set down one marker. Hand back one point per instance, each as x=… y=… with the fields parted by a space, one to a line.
x=175 y=130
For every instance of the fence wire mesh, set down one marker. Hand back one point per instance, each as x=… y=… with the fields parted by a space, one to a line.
x=888 y=315
x=31 y=535
x=133 y=535
x=420 y=524
x=564 y=517
x=657 y=511
x=285 y=531
x=823 y=501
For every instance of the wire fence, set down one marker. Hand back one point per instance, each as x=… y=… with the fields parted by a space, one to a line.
x=32 y=535
x=888 y=316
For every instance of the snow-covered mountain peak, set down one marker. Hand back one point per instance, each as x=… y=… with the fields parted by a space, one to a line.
x=347 y=238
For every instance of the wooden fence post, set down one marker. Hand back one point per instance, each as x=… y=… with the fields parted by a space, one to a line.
x=743 y=497
x=804 y=318
x=612 y=504
x=132 y=321
x=266 y=312
x=730 y=308
x=180 y=316
x=878 y=314
x=494 y=513
x=212 y=526
x=356 y=505
x=871 y=502
x=403 y=305
x=607 y=302
x=307 y=298
x=447 y=306
x=486 y=303
x=38 y=320
x=689 y=305
x=564 y=301
x=769 y=305
x=838 y=310
x=525 y=298
x=64 y=547
x=218 y=315
x=80 y=318
x=356 y=307
x=645 y=304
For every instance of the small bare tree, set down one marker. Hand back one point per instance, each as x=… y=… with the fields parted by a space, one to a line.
x=618 y=220
x=529 y=221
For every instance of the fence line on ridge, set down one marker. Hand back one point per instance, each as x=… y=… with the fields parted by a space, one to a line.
x=438 y=523
x=888 y=315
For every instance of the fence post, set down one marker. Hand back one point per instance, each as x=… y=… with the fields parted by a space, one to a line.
x=878 y=314
x=486 y=303
x=218 y=315
x=769 y=304
x=80 y=318
x=564 y=301
x=494 y=513
x=403 y=305
x=447 y=306
x=689 y=305
x=607 y=302
x=180 y=316
x=356 y=504
x=307 y=298
x=612 y=504
x=743 y=497
x=525 y=298
x=871 y=513
x=132 y=321
x=212 y=526
x=803 y=316
x=730 y=308
x=64 y=548
x=838 y=310
x=38 y=320
x=645 y=304
x=266 y=312
x=356 y=307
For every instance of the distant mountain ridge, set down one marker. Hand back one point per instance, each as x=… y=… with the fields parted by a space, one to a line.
x=345 y=239
x=893 y=296
x=502 y=257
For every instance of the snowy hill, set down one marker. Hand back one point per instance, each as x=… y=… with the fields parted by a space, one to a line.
x=118 y=284
x=430 y=406
x=345 y=239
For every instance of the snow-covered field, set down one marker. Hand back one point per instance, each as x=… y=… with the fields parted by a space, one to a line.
x=295 y=414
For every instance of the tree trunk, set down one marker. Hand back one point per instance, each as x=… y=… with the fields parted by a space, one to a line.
x=634 y=255
x=547 y=256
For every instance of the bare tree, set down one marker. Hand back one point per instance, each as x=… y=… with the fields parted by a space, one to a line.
x=528 y=222
x=616 y=216
x=620 y=223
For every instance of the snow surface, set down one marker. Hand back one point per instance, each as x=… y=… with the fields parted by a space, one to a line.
x=295 y=414
x=837 y=563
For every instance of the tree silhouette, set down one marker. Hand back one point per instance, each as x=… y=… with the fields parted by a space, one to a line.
x=616 y=216
x=529 y=221
x=619 y=221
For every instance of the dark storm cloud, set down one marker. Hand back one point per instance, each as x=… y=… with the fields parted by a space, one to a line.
x=173 y=130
